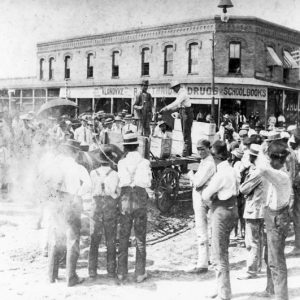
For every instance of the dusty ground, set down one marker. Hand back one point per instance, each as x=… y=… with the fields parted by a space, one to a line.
x=23 y=268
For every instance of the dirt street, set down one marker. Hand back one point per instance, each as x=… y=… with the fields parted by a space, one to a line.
x=23 y=269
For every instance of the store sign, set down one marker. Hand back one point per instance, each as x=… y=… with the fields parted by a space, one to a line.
x=242 y=92
x=113 y=91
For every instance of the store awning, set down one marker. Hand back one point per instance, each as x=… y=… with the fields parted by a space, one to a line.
x=203 y=101
x=272 y=58
x=288 y=61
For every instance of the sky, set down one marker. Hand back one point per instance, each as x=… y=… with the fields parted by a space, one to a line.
x=24 y=23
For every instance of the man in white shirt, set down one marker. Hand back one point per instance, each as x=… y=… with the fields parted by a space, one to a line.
x=276 y=216
x=128 y=126
x=83 y=134
x=135 y=176
x=222 y=191
x=199 y=181
x=104 y=216
x=72 y=184
x=183 y=104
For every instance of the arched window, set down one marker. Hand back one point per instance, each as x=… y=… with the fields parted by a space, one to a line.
x=168 y=60
x=51 y=69
x=145 y=61
x=234 y=57
x=115 y=63
x=193 y=58
x=67 y=67
x=90 y=65
x=42 y=62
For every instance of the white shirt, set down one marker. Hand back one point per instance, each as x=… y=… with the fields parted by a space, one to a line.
x=74 y=178
x=105 y=175
x=158 y=133
x=182 y=100
x=83 y=135
x=224 y=183
x=206 y=170
x=134 y=170
x=278 y=184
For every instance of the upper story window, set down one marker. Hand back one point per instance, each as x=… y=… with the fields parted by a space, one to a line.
x=234 y=57
x=67 y=67
x=51 y=69
x=115 y=63
x=90 y=65
x=145 y=61
x=168 y=60
x=193 y=58
x=42 y=63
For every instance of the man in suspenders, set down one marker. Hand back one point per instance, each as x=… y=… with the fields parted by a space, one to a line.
x=105 y=192
x=135 y=176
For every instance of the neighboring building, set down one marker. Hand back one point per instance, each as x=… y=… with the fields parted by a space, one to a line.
x=254 y=67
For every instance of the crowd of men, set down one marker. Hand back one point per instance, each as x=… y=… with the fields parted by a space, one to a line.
x=250 y=175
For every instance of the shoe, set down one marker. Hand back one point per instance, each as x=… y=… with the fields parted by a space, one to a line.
x=247 y=276
x=197 y=270
x=141 y=278
x=75 y=281
x=264 y=294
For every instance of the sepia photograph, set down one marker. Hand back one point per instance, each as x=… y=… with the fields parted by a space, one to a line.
x=149 y=149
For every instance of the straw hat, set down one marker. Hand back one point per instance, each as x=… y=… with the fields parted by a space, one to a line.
x=130 y=138
x=237 y=152
x=255 y=149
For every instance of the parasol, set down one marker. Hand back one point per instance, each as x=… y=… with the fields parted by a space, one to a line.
x=55 y=103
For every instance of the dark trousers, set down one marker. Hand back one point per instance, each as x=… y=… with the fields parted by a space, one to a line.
x=296 y=218
x=137 y=219
x=223 y=218
x=145 y=123
x=254 y=244
x=187 y=117
x=103 y=220
x=277 y=226
x=65 y=232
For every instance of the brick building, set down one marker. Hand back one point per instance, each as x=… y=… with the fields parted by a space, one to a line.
x=254 y=68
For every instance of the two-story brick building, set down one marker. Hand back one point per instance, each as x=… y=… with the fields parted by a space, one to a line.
x=254 y=68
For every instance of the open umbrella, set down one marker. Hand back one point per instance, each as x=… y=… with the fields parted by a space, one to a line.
x=55 y=103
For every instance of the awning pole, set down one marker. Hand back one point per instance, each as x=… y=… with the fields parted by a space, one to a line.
x=266 y=114
x=298 y=109
x=219 y=112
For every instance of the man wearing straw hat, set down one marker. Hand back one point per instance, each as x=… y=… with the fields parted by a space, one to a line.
x=105 y=191
x=135 y=176
x=144 y=105
x=183 y=103
x=70 y=183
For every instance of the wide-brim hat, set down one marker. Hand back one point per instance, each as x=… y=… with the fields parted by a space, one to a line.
x=130 y=138
x=174 y=84
x=243 y=132
x=161 y=123
x=245 y=127
x=72 y=144
x=145 y=82
x=255 y=149
x=105 y=155
x=108 y=121
x=273 y=136
x=84 y=118
x=128 y=117
x=118 y=119
x=26 y=117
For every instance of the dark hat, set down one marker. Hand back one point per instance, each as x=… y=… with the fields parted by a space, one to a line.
x=256 y=139
x=130 y=138
x=278 y=149
x=108 y=121
x=145 y=82
x=105 y=155
x=246 y=141
x=71 y=144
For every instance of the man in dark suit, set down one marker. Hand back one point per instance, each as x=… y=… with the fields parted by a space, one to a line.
x=143 y=106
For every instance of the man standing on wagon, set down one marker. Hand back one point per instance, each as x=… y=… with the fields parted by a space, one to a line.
x=144 y=105
x=183 y=104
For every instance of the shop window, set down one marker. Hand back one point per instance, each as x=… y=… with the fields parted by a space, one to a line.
x=168 y=60
x=51 y=70
x=115 y=63
x=103 y=104
x=42 y=62
x=121 y=103
x=193 y=58
x=234 y=57
x=90 y=65
x=67 y=67
x=145 y=62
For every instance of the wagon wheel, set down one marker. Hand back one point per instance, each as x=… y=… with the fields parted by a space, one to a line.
x=167 y=189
